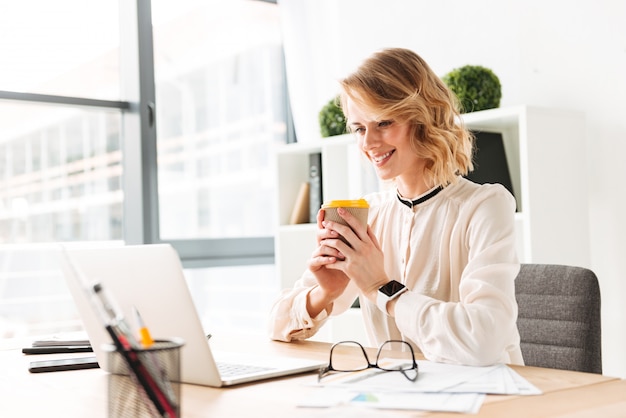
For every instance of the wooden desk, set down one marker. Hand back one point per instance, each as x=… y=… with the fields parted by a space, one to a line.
x=84 y=393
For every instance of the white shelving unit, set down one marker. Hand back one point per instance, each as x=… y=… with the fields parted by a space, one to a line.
x=545 y=151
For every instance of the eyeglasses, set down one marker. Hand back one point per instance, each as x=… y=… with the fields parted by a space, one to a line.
x=345 y=363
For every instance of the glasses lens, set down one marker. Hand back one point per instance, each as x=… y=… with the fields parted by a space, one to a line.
x=348 y=356
x=396 y=355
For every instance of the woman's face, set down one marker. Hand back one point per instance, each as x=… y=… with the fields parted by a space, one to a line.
x=387 y=144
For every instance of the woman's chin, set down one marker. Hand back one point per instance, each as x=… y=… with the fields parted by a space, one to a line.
x=384 y=175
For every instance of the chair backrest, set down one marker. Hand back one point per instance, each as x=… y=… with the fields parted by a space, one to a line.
x=559 y=317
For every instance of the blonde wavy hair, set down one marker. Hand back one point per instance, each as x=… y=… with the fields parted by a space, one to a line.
x=397 y=84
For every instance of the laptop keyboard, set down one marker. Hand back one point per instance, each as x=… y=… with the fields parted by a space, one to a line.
x=232 y=369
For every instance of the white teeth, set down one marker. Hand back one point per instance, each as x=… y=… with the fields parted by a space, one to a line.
x=381 y=157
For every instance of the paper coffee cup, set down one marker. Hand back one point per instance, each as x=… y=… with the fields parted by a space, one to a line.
x=359 y=208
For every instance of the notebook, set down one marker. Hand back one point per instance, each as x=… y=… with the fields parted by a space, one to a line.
x=150 y=278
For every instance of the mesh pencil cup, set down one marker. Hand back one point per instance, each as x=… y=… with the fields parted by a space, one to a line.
x=127 y=398
x=359 y=208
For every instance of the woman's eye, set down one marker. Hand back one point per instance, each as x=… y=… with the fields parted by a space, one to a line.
x=358 y=130
x=384 y=123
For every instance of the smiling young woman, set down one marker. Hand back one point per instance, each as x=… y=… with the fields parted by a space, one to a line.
x=436 y=264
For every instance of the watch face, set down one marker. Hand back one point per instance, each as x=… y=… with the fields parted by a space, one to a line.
x=391 y=288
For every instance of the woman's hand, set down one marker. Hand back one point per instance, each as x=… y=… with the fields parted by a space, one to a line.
x=361 y=260
x=331 y=282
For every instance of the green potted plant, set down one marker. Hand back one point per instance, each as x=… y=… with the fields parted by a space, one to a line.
x=331 y=119
x=477 y=88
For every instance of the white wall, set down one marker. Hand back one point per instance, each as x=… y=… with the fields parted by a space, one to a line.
x=552 y=53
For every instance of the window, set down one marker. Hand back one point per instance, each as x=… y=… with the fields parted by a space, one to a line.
x=81 y=163
x=57 y=174
x=61 y=47
x=221 y=109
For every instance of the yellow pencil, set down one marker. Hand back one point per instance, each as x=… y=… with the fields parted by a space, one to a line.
x=144 y=333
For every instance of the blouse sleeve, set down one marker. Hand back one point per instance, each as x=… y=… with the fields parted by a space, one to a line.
x=289 y=319
x=481 y=326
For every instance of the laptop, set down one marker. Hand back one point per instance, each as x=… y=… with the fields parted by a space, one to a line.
x=150 y=278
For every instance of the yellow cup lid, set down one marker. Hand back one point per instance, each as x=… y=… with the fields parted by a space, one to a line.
x=358 y=203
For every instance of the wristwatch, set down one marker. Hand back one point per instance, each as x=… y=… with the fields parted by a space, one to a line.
x=388 y=292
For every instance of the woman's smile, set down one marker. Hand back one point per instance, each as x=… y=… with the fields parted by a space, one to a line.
x=381 y=159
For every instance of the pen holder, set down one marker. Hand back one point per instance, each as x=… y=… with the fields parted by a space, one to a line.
x=127 y=397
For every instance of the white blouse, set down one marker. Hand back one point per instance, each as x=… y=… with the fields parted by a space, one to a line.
x=456 y=253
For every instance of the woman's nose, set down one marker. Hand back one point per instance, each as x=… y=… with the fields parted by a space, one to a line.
x=369 y=141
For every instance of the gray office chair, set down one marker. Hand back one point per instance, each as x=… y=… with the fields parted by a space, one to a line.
x=559 y=317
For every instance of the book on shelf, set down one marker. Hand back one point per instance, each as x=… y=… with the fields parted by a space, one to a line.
x=490 y=163
x=300 y=212
x=315 y=185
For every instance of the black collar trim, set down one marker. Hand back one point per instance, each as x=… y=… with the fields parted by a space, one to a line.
x=412 y=203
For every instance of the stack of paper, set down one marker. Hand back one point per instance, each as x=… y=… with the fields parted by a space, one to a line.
x=439 y=387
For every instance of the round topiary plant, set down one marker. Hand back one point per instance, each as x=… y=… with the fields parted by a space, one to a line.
x=331 y=119
x=477 y=88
